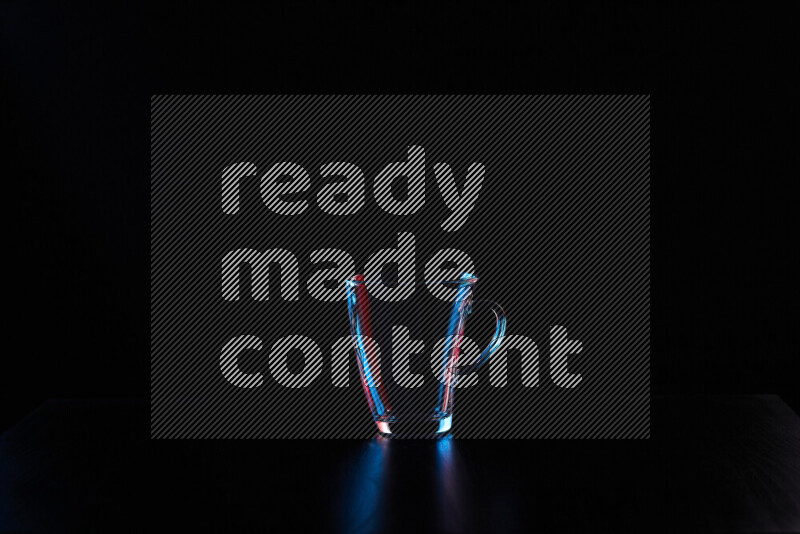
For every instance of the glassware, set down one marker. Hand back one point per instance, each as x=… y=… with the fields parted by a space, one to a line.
x=408 y=341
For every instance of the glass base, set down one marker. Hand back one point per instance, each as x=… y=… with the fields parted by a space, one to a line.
x=436 y=427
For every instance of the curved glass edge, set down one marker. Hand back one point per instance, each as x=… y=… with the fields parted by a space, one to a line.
x=466 y=278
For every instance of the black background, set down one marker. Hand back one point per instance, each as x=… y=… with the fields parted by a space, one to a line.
x=76 y=88
x=76 y=84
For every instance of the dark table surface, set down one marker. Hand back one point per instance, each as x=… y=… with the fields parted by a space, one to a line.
x=713 y=464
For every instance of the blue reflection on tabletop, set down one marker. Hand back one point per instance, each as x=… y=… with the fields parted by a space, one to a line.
x=449 y=485
x=391 y=484
x=365 y=488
